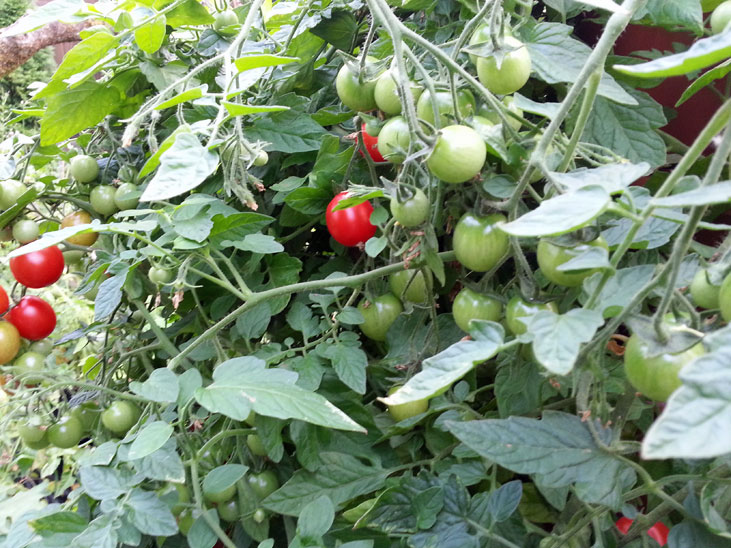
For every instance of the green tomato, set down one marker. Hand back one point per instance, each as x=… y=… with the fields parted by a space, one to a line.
x=411 y=212
x=482 y=35
x=656 y=376
x=263 y=484
x=710 y=5
x=458 y=155
x=478 y=242
x=469 y=305
x=402 y=411
x=262 y=158
x=356 y=95
x=10 y=191
x=386 y=93
x=259 y=515
x=44 y=346
x=394 y=140
x=411 y=285
x=88 y=414
x=379 y=315
x=25 y=231
x=703 y=292
x=73 y=257
x=218 y=495
x=160 y=276
x=183 y=498
x=229 y=511
x=256 y=446
x=84 y=168
x=186 y=521
x=29 y=363
x=720 y=17
x=724 y=298
x=127 y=196
x=513 y=72
x=66 y=433
x=119 y=417
x=445 y=106
x=33 y=436
x=102 y=199
x=509 y=102
x=552 y=256
x=225 y=22
x=518 y=311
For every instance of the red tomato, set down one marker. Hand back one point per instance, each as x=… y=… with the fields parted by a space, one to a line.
x=33 y=318
x=4 y=301
x=350 y=226
x=371 y=145
x=38 y=268
x=658 y=532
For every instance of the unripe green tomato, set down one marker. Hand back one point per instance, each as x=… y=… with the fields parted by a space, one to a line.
x=73 y=257
x=66 y=433
x=551 y=256
x=183 y=498
x=509 y=102
x=33 y=436
x=229 y=511
x=386 y=93
x=379 y=315
x=102 y=199
x=394 y=140
x=478 y=242
x=263 y=484
x=84 y=168
x=656 y=377
x=703 y=292
x=10 y=191
x=469 y=305
x=127 y=196
x=356 y=95
x=482 y=35
x=25 y=231
x=88 y=414
x=411 y=285
x=120 y=416
x=44 y=347
x=513 y=72
x=29 y=363
x=186 y=521
x=354 y=514
x=518 y=311
x=721 y=17
x=411 y=212
x=724 y=298
x=218 y=495
x=259 y=515
x=255 y=445
x=458 y=154
x=261 y=158
x=445 y=106
x=160 y=276
x=402 y=411
x=224 y=23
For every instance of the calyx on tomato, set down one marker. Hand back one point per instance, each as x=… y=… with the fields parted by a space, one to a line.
x=357 y=91
x=352 y=225
x=658 y=532
x=33 y=317
x=511 y=74
x=38 y=268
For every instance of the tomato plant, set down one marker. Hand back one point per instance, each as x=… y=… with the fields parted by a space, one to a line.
x=229 y=511
x=510 y=73
x=724 y=298
x=88 y=415
x=38 y=268
x=263 y=484
x=356 y=91
x=255 y=445
x=720 y=17
x=33 y=317
x=478 y=242
x=458 y=155
x=83 y=168
x=102 y=199
x=10 y=191
x=75 y=219
x=411 y=211
x=126 y=196
x=65 y=433
x=704 y=293
x=214 y=494
x=160 y=275
x=29 y=363
x=120 y=416
x=379 y=314
x=349 y=226
x=470 y=305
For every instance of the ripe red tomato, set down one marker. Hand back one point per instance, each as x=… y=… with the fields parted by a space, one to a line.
x=658 y=532
x=350 y=226
x=33 y=317
x=4 y=301
x=370 y=143
x=38 y=268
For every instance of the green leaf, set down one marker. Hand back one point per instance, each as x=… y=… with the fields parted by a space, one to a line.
x=557 y=338
x=200 y=534
x=308 y=200
x=290 y=131
x=628 y=130
x=620 y=289
x=316 y=518
x=56 y=10
x=150 y=36
x=249 y=62
x=242 y=384
x=109 y=296
x=149 y=514
x=441 y=370
x=151 y=438
x=613 y=177
x=259 y=243
x=561 y=214
x=338 y=29
x=559 y=450
x=74 y=110
x=161 y=386
x=675 y=13
x=182 y=97
x=504 y=501
x=163 y=465
x=236 y=109
x=184 y=166
x=350 y=363
x=593 y=257
x=375 y=245
x=101 y=533
x=548 y=42
x=59 y=522
x=716 y=73
x=720 y=193
x=154 y=160
x=341 y=478
x=222 y=477
x=103 y=483
x=703 y=53
x=188 y=13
